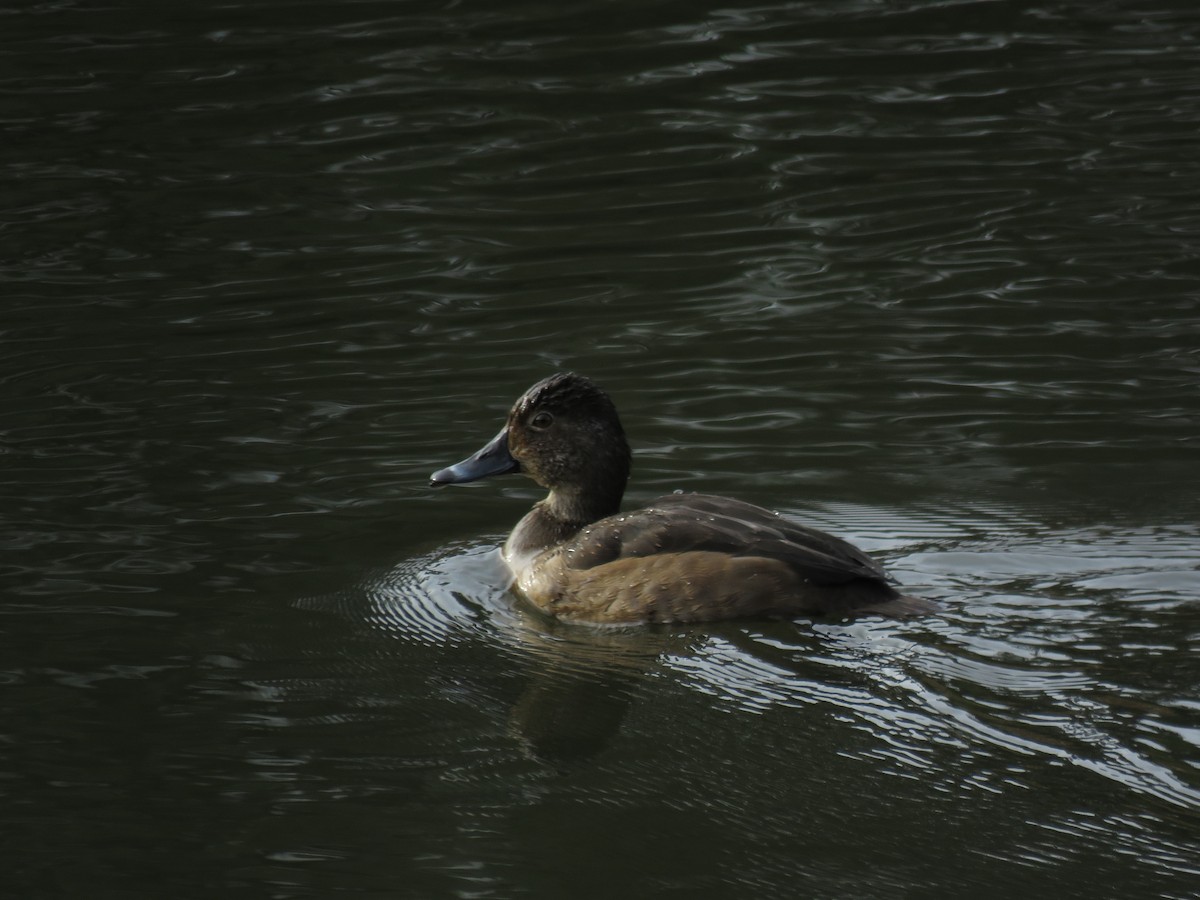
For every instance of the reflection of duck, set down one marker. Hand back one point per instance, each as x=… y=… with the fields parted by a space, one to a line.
x=683 y=558
x=582 y=683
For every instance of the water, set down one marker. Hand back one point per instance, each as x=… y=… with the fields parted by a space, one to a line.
x=922 y=274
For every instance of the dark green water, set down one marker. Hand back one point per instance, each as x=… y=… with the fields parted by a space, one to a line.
x=923 y=274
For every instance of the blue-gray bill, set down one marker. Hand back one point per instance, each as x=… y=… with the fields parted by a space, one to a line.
x=492 y=459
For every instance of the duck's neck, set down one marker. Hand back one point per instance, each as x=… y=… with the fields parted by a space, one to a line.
x=556 y=519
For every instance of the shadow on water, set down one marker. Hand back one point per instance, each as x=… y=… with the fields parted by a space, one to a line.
x=578 y=682
x=1013 y=671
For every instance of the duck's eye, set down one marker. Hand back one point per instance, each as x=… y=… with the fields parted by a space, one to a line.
x=542 y=420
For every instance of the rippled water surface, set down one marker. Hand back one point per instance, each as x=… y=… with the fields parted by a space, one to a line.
x=923 y=274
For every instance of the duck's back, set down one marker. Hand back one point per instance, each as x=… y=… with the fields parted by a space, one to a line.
x=694 y=557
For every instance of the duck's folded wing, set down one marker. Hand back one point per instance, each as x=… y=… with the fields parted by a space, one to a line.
x=681 y=523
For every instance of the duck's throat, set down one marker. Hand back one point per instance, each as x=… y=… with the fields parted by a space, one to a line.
x=552 y=521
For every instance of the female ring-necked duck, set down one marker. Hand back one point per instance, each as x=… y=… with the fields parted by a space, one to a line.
x=682 y=558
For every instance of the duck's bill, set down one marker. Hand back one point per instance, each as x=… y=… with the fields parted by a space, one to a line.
x=493 y=459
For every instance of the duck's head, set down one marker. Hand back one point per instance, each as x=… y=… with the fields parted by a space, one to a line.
x=565 y=434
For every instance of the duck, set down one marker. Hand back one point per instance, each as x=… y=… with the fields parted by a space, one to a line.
x=683 y=558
